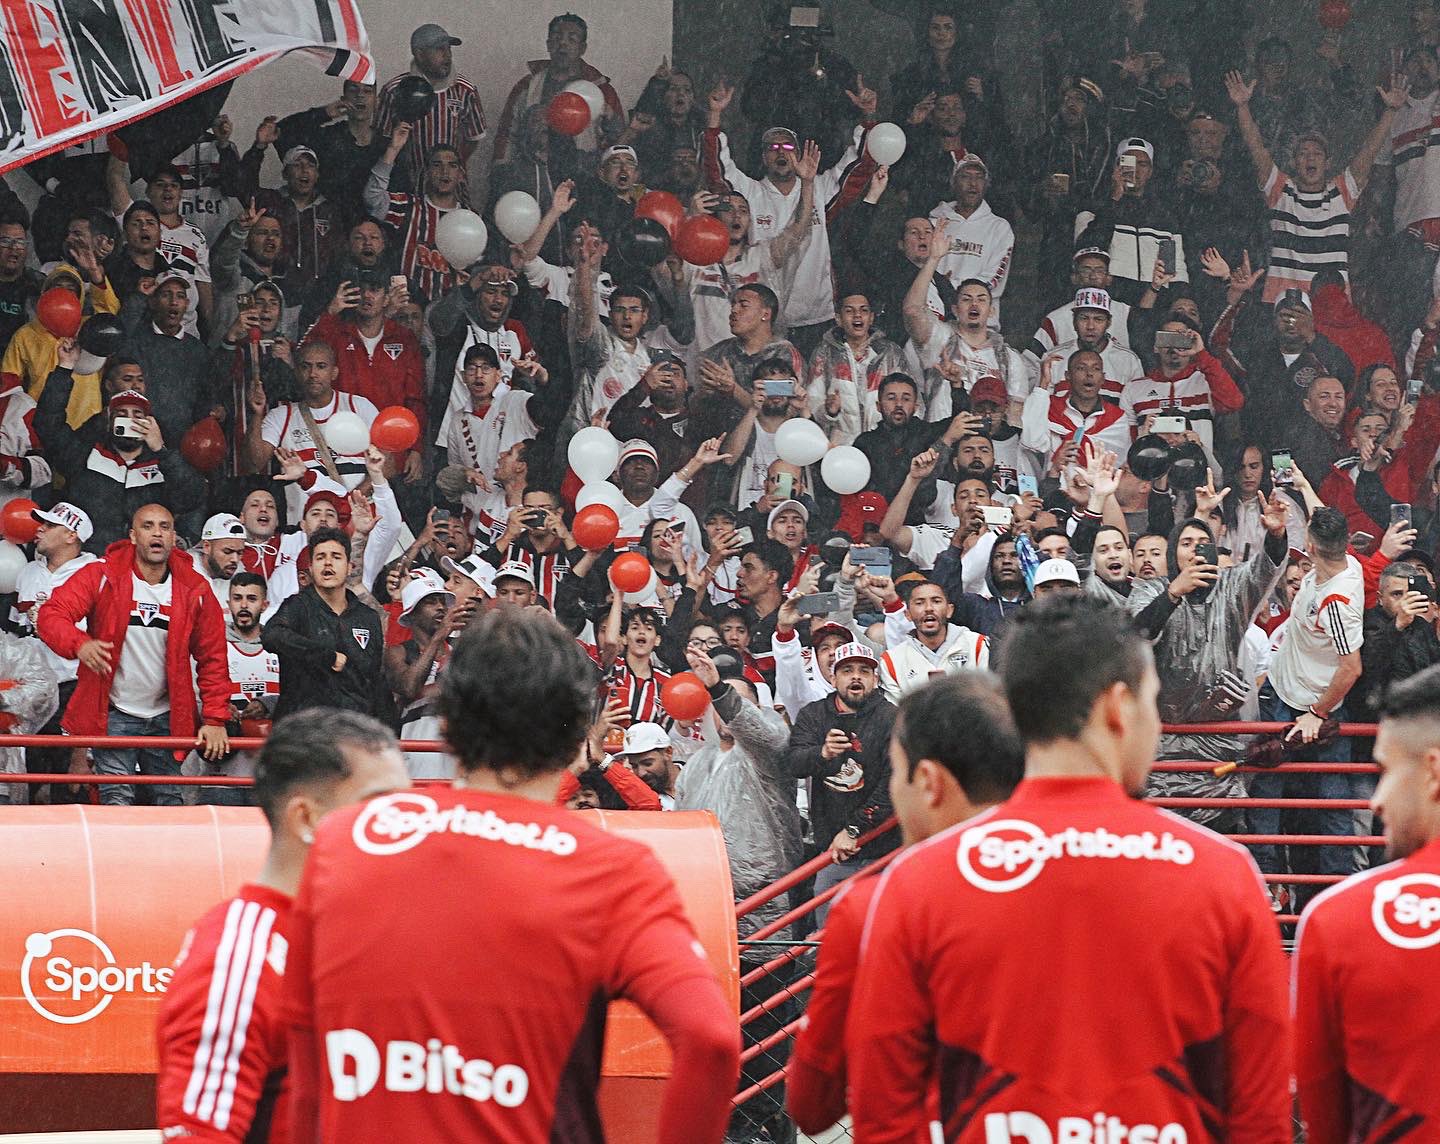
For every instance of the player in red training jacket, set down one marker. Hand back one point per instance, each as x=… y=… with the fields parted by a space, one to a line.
x=953 y=753
x=222 y=1044
x=1073 y=965
x=1367 y=1042
x=452 y=954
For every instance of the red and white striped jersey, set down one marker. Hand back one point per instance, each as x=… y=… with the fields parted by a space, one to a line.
x=456 y=117
x=254 y=673
x=641 y=696
x=1049 y=422
x=550 y=567
x=416 y=219
x=221 y=1044
x=510 y=341
x=285 y=428
x=35 y=584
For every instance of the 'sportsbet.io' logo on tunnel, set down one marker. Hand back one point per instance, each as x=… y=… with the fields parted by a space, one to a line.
x=1406 y=910
x=70 y=976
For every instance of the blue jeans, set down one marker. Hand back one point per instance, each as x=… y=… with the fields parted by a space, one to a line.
x=149 y=761
x=1267 y=820
x=833 y=875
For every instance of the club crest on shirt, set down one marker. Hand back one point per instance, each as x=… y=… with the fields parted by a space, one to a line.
x=147 y=610
x=393 y=350
x=362 y=636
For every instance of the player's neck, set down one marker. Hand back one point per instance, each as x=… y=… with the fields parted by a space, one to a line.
x=1328 y=569
x=541 y=788
x=283 y=866
x=1070 y=758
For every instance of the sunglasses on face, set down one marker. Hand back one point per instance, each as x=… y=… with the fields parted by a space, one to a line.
x=782 y=146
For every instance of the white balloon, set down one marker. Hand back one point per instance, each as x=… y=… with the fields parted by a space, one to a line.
x=845 y=469
x=800 y=441
x=87 y=363
x=517 y=214
x=601 y=492
x=12 y=559
x=650 y=594
x=593 y=454
x=592 y=95
x=886 y=143
x=346 y=433
x=461 y=237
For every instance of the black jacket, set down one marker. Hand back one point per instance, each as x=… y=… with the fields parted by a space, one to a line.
x=832 y=807
x=306 y=634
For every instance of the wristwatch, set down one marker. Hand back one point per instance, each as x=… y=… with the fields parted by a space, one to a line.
x=853 y=831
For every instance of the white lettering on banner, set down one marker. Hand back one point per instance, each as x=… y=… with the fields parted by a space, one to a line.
x=402 y=821
x=1020 y=849
x=1408 y=919
x=1102 y=1128
x=433 y=1067
x=67 y=977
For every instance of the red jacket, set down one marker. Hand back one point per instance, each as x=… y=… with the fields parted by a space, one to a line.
x=1360 y=339
x=102 y=594
x=394 y=376
x=1338 y=491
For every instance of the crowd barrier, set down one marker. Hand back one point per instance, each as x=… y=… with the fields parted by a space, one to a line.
x=773 y=951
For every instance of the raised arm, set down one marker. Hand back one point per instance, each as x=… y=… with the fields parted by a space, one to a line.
x=789 y=241
x=1394 y=98
x=1240 y=93
x=919 y=321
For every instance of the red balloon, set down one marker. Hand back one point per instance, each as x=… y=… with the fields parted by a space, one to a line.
x=16 y=523
x=394 y=430
x=684 y=697
x=664 y=208
x=702 y=240
x=596 y=527
x=60 y=312
x=1334 y=15
x=203 y=445
x=630 y=572
x=568 y=113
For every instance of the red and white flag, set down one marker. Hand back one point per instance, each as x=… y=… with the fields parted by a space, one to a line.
x=72 y=70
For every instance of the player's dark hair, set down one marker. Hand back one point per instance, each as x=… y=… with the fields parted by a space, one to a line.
x=1095 y=637
x=898 y=379
x=250 y=580
x=1329 y=532
x=1044 y=533
x=567 y=18
x=309 y=748
x=963 y=722
x=516 y=695
x=775 y=556
x=1112 y=528
x=913 y=585
x=322 y=535
x=768 y=298
x=975 y=282
x=1415 y=697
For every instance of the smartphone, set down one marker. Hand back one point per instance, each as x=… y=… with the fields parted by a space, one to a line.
x=1060 y=180
x=441 y=516
x=1421 y=585
x=1076 y=436
x=1172 y=340
x=244 y=301
x=1362 y=542
x=1128 y=165
x=126 y=427
x=1026 y=484
x=745 y=535
x=1412 y=390
x=997 y=515
x=1170 y=425
x=1207 y=552
x=876 y=561
x=818 y=604
x=397 y=281
x=785 y=482
x=779 y=387
x=1282 y=467
x=1399 y=513
x=535 y=518
x=1166 y=257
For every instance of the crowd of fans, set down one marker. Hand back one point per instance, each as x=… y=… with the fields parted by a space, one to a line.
x=1227 y=421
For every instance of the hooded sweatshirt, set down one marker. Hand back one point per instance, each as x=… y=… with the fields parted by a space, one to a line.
x=1360 y=339
x=835 y=368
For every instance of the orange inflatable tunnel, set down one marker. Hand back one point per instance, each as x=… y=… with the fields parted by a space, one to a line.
x=94 y=902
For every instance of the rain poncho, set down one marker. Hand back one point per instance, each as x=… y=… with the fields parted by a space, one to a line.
x=749 y=790
x=1201 y=641
x=29 y=697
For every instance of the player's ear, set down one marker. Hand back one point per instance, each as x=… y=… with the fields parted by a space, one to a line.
x=302 y=816
x=1431 y=764
x=935 y=780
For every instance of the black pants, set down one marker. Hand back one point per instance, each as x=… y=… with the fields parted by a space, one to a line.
x=55 y=760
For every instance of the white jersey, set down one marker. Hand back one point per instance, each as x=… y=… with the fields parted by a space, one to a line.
x=254 y=674
x=1414 y=153
x=140 y=686
x=711 y=286
x=285 y=428
x=983 y=361
x=1121 y=368
x=1059 y=326
x=477 y=440
x=510 y=343
x=36 y=584
x=981 y=246
x=811 y=297
x=1326 y=622
x=22 y=467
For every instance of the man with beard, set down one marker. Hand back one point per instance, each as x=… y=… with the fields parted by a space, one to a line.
x=222 y=541
x=810 y=305
x=366 y=249
x=412 y=668
x=255 y=688
x=1058 y=430
x=1369 y=940
x=455 y=118
x=658 y=409
x=1313 y=432
x=346 y=143
x=1005 y=590
x=978 y=242
x=650 y=754
x=922 y=642
x=750 y=439
x=1089 y=270
x=842 y=743
x=971 y=538
x=1200 y=653
x=1091 y=310
x=260 y=514
x=133 y=466
x=1150 y=555
x=330 y=644
x=900 y=437
x=946 y=133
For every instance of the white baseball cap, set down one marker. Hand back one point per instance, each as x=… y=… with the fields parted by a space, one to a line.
x=517 y=569
x=419 y=588
x=223 y=526
x=1054 y=570
x=472 y=567
x=66 y=515
x=1091 y=299
x=787 y=506
x=642 y=737
x=854 y=650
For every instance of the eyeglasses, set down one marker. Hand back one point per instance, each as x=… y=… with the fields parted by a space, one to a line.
x=712 y=641
x=13 y=243
x=782 y=147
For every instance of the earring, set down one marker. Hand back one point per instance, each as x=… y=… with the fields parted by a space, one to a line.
x=307 y=837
